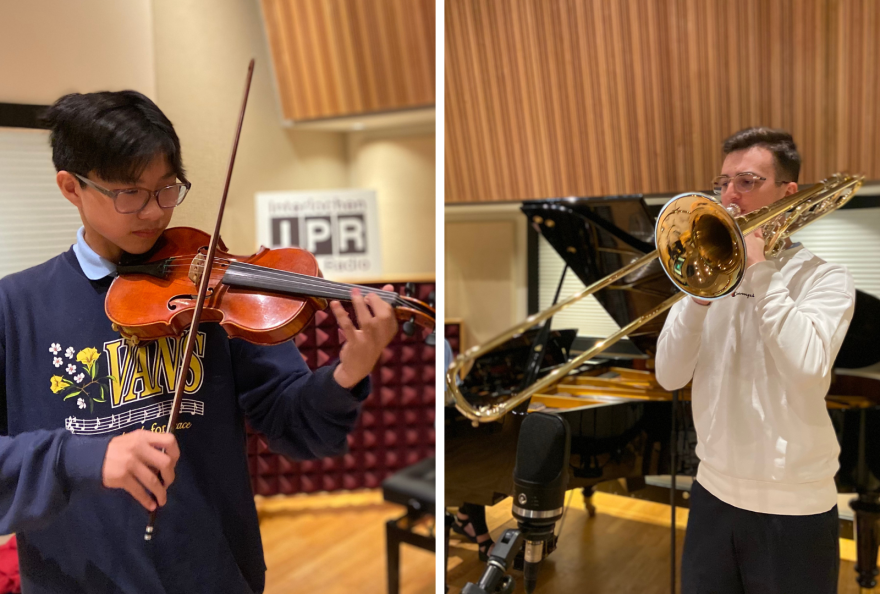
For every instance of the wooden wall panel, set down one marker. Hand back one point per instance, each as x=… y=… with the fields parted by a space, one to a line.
x=345 y=57
x=590 y=97
x=856 y=113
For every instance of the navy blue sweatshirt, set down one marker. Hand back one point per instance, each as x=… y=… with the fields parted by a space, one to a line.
x=69 y=383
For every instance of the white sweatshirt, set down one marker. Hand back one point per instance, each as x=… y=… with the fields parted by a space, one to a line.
x=761 y=367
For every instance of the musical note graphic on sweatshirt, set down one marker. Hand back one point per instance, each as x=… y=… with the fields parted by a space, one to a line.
x=135 y=416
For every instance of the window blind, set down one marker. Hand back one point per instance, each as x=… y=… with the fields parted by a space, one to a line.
x=587 y=315
x=36 y=222
x=850 y=237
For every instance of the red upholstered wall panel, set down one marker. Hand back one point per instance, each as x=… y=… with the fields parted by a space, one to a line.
x=453 y=333
x=396 y=428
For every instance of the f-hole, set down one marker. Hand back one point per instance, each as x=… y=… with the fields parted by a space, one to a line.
x=172 y=306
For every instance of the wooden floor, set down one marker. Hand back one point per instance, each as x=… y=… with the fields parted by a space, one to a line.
x=335 y=543
x=623 y=549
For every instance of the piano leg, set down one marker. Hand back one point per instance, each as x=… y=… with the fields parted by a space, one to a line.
x=867 y=533
x=588 y=501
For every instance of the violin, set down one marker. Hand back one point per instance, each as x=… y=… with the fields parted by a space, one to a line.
x=265 y=298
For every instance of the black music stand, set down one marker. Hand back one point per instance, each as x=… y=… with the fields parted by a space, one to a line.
x=412 y=487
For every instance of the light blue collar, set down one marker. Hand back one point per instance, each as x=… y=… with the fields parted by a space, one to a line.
x=94 y=266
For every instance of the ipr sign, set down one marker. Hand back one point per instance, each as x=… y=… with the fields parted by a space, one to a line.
x=339 y=226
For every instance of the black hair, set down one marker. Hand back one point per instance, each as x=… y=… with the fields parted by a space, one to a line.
x=115 y=134
x=778 y=142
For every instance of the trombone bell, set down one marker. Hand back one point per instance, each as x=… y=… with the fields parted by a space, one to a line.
x=700 y=245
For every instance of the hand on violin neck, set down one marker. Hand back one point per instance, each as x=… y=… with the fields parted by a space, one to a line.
x=135 y=462
x=376 y=326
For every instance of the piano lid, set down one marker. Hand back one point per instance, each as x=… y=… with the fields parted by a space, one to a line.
x=597 y=236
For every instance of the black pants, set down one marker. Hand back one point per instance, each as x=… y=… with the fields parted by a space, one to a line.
x=728 y=550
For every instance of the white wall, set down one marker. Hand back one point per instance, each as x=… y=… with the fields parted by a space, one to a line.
x=49 y=48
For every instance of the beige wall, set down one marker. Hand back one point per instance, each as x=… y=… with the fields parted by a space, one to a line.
x=486 y=269
x=191 y=57
x=202 y=51
x=400 y=166
x=49 y=48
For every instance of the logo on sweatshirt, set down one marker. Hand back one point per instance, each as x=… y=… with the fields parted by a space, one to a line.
x=127 y=374
x=151 y=370
x=735 y=294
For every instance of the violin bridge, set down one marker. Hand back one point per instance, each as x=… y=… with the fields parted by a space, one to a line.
x=196 y=269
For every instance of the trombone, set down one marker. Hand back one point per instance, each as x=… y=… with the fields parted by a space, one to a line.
x=701 y=248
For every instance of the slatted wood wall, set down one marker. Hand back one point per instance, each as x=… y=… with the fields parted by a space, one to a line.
x=594 y=97
x=345 y=57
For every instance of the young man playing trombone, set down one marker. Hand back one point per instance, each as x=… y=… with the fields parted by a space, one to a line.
x=763 y=514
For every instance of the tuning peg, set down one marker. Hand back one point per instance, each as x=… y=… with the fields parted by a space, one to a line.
x=431 y=339
x=409 y=289
x=409 y=326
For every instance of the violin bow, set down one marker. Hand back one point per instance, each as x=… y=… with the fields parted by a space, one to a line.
x=183 y=370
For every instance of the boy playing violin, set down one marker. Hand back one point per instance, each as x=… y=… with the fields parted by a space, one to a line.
x=79 y=463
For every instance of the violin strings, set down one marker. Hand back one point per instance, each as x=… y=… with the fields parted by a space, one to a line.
x=327 y=289
x=293 y=280
x=307 y=279
x=316 y=281
x=268 y=271
x=309 y=286
x=295 y=286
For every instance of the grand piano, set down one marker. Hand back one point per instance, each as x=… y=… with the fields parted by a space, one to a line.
x=619 y=415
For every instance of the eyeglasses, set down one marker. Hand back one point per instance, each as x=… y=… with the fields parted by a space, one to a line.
x=133 y=200
x=742 y=182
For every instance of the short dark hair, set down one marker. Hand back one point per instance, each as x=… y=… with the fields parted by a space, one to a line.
x=778 y=142
x=115 y=134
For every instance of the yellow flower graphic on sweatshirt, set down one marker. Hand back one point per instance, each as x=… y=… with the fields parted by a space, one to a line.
x=73 y=385
x=87 y=357
x=59 y=383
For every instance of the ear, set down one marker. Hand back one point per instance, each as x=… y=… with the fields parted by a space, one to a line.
x=791 y=188
x=70 y=188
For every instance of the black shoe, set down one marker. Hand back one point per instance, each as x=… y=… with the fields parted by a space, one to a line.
x=459 y=526
x=483 y=549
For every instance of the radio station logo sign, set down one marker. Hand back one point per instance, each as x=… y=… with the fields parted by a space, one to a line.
x=341 y=227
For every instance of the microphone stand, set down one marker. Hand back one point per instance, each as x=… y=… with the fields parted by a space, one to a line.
x=495 y=579
x=673 y=441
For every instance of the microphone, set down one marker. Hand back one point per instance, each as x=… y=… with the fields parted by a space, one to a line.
x=540 y=479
